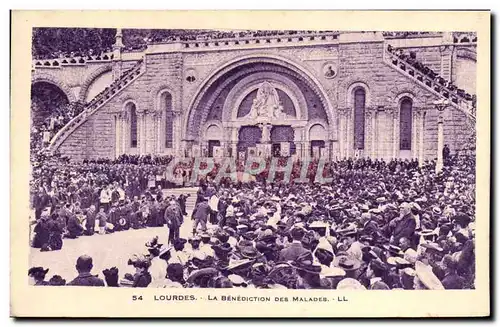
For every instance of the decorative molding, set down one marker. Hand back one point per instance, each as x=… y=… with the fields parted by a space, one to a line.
x=239 y=61
x=91 y=78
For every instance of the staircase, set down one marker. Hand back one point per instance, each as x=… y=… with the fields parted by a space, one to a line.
x=457 y=98
x=190 y=201
x=95 y=104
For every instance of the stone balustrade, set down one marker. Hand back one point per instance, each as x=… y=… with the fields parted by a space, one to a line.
x=73 y=61
x=458 y=97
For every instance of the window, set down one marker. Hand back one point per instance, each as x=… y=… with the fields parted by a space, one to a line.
x=133 y=125
x=166 y=102
x=359 y=118
x=405 y=124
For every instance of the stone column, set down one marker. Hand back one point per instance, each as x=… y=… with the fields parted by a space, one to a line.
x=176 y=131
x=395 y=132
x=125 y=127
x=421 y=138
x=158 y=121
x=374 y=132
x=349 y=133
x=415 y=126
x=141 y=125
x=342 y=133
x=440 y=143
x=298 y=140
x=118 y=134
x=234 y=141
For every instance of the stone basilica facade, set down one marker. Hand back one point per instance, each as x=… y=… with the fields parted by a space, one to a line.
x=331 y=95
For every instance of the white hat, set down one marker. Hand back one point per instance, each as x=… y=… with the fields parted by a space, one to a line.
x=332 y=272
x=325 y=245
x=318 y=224
x=427 y=277
x=350 y=284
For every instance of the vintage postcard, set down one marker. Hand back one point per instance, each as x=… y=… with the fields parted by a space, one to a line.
x=250 y=164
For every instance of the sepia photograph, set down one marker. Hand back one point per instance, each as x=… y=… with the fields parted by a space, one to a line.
x=252 y=159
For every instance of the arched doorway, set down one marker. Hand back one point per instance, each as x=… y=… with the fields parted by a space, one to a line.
x=47 y=101
x=282 y=138
x=248 y=137
x=213 y=136
x=222 y=94
x=317 y=140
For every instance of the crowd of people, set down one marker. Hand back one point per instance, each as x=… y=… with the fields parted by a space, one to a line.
x=217 y=35
x=411 y=58
x=54 y=119
x=376 y=225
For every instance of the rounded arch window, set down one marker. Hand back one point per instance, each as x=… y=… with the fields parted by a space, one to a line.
x=359 y=99
x=132 y=110
x=405 y=124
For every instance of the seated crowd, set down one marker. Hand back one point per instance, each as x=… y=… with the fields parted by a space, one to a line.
x=376 y=225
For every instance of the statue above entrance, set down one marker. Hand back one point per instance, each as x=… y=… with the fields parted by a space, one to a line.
x=266 y=105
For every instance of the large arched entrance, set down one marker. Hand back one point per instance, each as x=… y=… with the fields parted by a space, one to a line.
x=263 y=104
x=47 y=100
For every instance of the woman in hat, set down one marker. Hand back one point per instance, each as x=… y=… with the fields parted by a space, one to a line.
x=142 y=277
x=37 y=275
x=56 y=231
x=309 y=273
x=42 y=232
x=377 y=274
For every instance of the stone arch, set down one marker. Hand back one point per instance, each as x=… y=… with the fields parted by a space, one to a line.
x=352 y=89
x=466 y=53
x=133 y=136
x=90 y=79
x=415 y=93
x=40 y=77
x=313 y=125
x=211 y=129
x=158 y=92
x=347 y=86
x=289 y=63
x=252 y=82
x=276 y=74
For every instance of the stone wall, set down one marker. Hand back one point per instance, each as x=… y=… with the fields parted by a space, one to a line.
x=356 y=64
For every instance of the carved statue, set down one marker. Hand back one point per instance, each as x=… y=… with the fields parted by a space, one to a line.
x=266 y=104
x=266 y=133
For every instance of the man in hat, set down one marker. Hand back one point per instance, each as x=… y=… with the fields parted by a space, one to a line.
x=200 y=215
x=90 y=220
x=182 y=203
x=404 y=226
x=293 y=250
x=174 y=220
x=354 y=247
x=84 y=266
